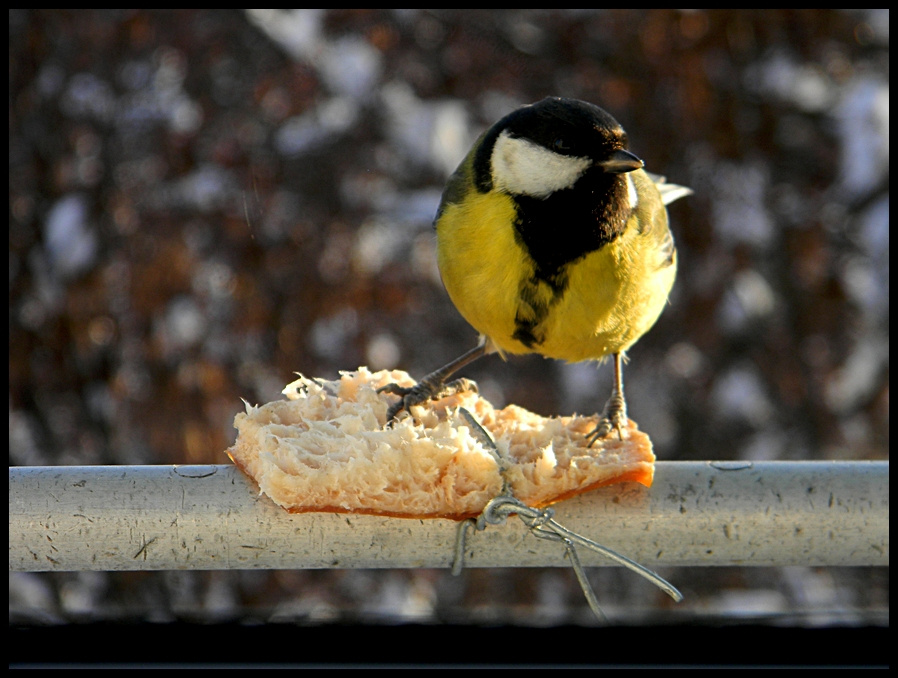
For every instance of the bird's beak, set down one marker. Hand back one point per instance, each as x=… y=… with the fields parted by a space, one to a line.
x=620 y=162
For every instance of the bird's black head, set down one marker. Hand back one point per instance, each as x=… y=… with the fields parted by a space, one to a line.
x=563 y=128
x=568 y=127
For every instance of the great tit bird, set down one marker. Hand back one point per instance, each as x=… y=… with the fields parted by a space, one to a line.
x=551 y=239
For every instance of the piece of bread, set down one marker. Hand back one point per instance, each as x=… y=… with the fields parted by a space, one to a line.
x=327 y=448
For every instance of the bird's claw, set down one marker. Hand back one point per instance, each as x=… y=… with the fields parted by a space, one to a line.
x=614 y=418
x=408 y=396
x=422 y=392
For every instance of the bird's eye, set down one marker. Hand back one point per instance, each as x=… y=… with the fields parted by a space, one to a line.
x=560 y=145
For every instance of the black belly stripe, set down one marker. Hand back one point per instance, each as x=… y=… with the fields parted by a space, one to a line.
x=530 y=314
x=524 y=333
x=556 y=233
x=536 y=298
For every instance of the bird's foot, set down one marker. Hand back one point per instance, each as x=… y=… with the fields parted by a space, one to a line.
x=424 y=390
x=614 y=418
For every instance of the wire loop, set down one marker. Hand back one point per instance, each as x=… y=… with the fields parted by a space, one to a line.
x=542 y=525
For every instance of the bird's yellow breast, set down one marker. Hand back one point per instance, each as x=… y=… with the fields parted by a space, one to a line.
x=613 y=295
x=481 y=264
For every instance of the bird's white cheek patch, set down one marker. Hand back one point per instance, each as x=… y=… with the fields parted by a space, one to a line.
x=522 y=167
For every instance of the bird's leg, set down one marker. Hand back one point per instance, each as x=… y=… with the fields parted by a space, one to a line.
x=614 y=416
x=434 y=386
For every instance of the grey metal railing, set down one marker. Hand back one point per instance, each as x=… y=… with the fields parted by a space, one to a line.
x=212 y=517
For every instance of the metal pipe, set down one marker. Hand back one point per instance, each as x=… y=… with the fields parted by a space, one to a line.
x=213 y=518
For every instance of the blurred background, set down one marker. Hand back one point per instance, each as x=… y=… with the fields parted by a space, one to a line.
x=203 y=202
